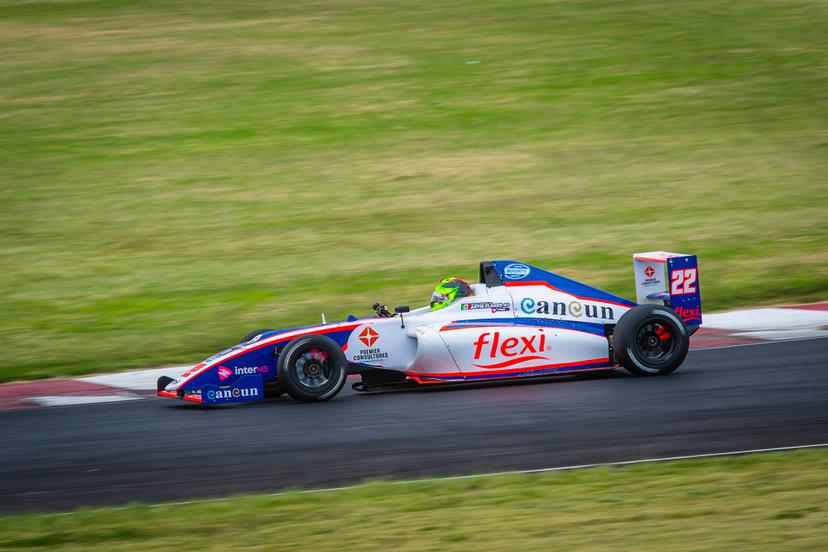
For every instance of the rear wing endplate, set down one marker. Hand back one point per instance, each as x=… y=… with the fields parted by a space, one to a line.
x=671 y=279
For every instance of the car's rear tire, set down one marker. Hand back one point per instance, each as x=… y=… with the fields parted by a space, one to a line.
x=312 y=368
x=650 y=340
x=251 y=335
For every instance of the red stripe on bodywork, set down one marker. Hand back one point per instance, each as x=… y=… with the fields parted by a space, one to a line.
x=511 y=362
x=446 y=328
x=172 y=395
x=511 y=371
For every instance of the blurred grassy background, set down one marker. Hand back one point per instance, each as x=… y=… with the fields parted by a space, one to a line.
x=175 y=174
x=757 y=502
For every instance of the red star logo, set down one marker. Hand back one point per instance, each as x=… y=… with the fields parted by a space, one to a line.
x=649 y=271
x=368 y=336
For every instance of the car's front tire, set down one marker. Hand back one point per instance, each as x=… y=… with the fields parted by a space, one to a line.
x=650 y=340
x=312 y=368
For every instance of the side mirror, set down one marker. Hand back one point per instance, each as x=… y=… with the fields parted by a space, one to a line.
x=402 y=309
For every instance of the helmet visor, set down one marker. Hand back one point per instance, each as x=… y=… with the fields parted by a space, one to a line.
x=438 y=298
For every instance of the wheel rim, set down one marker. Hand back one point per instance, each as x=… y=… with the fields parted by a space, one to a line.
x=314 y=368
x=655 y=342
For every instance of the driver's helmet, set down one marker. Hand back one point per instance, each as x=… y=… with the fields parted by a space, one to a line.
x=448 y=291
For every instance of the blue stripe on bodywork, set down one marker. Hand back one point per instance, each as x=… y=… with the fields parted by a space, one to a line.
x=586 y=327
x=524 y=373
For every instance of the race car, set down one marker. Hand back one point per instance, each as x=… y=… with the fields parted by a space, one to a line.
x=517 y=321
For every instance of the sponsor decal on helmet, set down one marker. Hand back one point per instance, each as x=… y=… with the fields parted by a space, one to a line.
x=494 y=307
x=559 y=308
x=516 y=271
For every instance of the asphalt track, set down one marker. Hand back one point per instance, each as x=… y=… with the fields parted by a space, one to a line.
x=747 y=397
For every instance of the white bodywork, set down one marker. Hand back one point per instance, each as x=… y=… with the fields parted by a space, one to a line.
x=519 y=330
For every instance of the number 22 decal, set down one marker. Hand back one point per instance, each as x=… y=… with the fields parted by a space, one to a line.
x=681 y=282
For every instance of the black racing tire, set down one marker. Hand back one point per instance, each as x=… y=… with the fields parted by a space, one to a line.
x=312 y=368
x=650 y=340
x=251 y=335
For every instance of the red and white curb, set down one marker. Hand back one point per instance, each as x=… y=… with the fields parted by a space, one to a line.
x=116 y=387
x=742 y=327
x=726 y=329
x=136 y=380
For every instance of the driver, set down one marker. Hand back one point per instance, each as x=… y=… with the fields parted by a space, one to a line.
x=448 y=291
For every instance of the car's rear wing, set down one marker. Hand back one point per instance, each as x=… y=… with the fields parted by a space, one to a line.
x=670 y=279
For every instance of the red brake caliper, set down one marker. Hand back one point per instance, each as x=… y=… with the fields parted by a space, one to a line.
x=321 y=356
x=663 y=333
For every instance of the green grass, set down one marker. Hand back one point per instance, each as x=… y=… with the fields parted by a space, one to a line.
x=175 y=174
x=760 y=502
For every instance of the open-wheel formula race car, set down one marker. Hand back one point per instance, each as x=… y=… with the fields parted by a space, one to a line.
x=518 y=321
